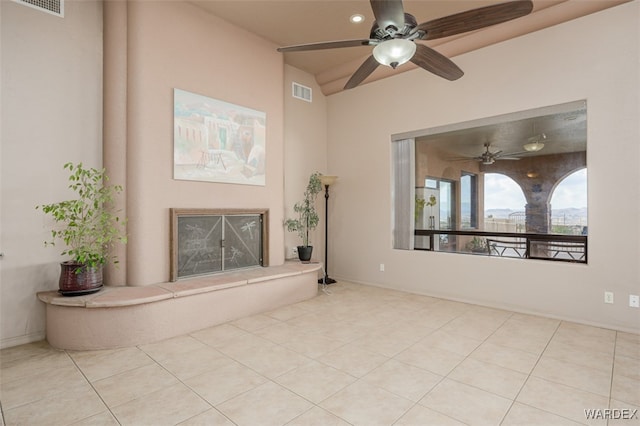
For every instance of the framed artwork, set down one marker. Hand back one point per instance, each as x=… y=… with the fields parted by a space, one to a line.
x=216 y=141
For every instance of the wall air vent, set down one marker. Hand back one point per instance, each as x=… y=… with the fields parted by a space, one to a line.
x=301 y=92
x=54 y=7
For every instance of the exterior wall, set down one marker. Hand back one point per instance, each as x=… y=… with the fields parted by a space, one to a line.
x=51 y=113
x=560 y=64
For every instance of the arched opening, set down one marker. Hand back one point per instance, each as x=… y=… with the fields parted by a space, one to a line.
x=504 y=204
x=569 y=204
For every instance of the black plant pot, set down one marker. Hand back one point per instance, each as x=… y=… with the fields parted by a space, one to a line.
x=304 y=253
x=77 y=279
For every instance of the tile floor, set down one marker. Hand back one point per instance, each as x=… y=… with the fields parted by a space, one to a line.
x=360 y=356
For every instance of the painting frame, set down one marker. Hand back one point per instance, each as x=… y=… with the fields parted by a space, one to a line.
x=217 y=141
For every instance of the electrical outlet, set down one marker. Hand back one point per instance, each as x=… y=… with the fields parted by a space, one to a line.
x=382 y=267
x=608 y=297
x=634 y=301
x=294 y=251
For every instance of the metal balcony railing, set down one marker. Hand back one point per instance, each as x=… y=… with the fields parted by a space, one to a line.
x=555 y=247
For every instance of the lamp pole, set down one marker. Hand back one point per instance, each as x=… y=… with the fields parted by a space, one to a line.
x=326 y=181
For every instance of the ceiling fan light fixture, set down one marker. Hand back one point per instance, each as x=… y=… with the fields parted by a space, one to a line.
x=394 y=52
x=535 y=143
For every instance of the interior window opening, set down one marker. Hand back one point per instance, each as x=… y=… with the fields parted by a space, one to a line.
x=507 y=186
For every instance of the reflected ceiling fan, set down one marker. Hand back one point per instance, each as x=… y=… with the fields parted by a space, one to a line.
x=394 y=34
x=488 y=157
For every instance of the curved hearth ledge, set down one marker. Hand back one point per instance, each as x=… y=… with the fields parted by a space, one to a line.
x=128 y=316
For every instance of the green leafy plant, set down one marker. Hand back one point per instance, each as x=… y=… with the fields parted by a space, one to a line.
x=307 y=219
x=90 y=226
x=477 y=244
x=420 y=203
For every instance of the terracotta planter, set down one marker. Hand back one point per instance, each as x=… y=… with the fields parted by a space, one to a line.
x=304 y=253
x=77 y=279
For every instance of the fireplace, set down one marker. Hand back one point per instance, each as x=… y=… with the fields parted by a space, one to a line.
x=212 y=241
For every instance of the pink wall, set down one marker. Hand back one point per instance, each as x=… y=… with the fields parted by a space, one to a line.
x=177 y=45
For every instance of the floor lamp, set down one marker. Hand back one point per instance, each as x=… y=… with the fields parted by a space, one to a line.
x=326 y=181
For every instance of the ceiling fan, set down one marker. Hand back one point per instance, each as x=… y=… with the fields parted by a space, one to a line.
x=394 y=34
x=488 y=157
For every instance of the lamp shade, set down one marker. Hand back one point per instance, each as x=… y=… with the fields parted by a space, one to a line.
x=328 y=180
x=394 y=52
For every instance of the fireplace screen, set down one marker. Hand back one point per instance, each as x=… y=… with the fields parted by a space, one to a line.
x=205 y=241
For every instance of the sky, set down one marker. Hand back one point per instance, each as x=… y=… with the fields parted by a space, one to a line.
x=501 y=192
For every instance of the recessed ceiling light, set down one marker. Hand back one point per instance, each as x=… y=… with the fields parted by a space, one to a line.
x=357 y=18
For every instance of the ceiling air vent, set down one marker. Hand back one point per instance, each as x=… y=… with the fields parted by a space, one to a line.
x=301 y=92
x=54 y=7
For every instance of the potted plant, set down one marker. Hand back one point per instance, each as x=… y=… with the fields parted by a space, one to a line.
x=88 y=226
x=477 y=245
x=307 y=219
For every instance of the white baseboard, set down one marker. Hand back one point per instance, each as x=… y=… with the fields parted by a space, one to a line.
x=21 y=340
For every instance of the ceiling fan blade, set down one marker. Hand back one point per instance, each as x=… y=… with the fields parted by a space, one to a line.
x=363 y=72
x=474 y=19
x=432 y=61
x=325 y=45
x=388 y=13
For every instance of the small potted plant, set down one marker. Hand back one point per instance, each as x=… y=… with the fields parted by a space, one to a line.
x=88 y=226
x=307 y=219
x=477 y=245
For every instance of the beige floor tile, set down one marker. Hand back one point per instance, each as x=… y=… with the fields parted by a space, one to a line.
x=584 y=336
x=450 y=342
x=313 y=345
x=513 y=359
x=97 y=365
x=219 y=385
x=490 y=377
x=255 y=322
x=281 y=333
x=211 y=417
x=388 y=345
x=268 y=404
x=586 y=357
x=120 y=388
x=29 y=366
x=420 y=415
x=28 y=350
x=103 y=419
x=244 y=344
x=526 y=336
x=168 y=406
x=273 y=361
x=69 y=405
x=628 y=347
x=315 y=381
x=436 y=360
x=466 y=403
x=561 y=400
x=361 y=404
x=218 y=335
x=626 y=366
x=171 y=348
x=576 y=376
x=287 y=312
x=478 y=323
x=521 y=414
x=317 y=417
x=402 y=379
x=194 y=363
x=625 y=415
x=46 y=384
x=629 y=337
x=626 y=389
x=354 y=360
